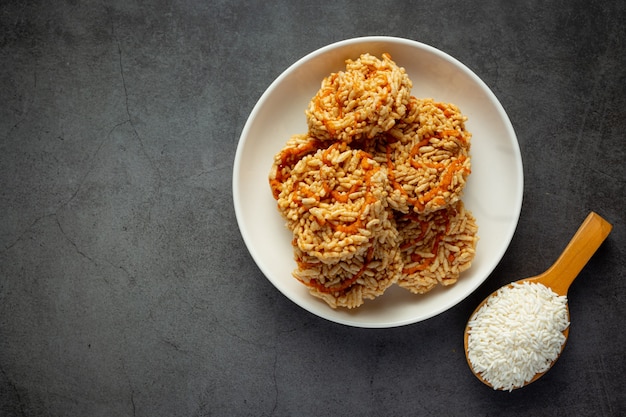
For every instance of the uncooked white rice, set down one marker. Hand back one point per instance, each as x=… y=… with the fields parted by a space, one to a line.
x=516 y=334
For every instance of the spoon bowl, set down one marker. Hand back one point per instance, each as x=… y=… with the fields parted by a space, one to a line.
x=590 y=235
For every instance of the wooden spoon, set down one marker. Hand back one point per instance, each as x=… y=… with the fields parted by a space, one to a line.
x=562 y=273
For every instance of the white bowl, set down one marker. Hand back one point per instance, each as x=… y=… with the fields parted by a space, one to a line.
x=493 y=192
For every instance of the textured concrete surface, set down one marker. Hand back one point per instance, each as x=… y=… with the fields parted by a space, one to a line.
x=125 y=286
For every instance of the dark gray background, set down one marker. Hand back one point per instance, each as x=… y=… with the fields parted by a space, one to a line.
x=125 y=286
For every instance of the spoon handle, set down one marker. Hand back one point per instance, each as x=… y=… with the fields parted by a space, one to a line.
x=583 y=245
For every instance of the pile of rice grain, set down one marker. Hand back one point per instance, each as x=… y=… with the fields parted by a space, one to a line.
x=372 y=191
x=516 y=334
